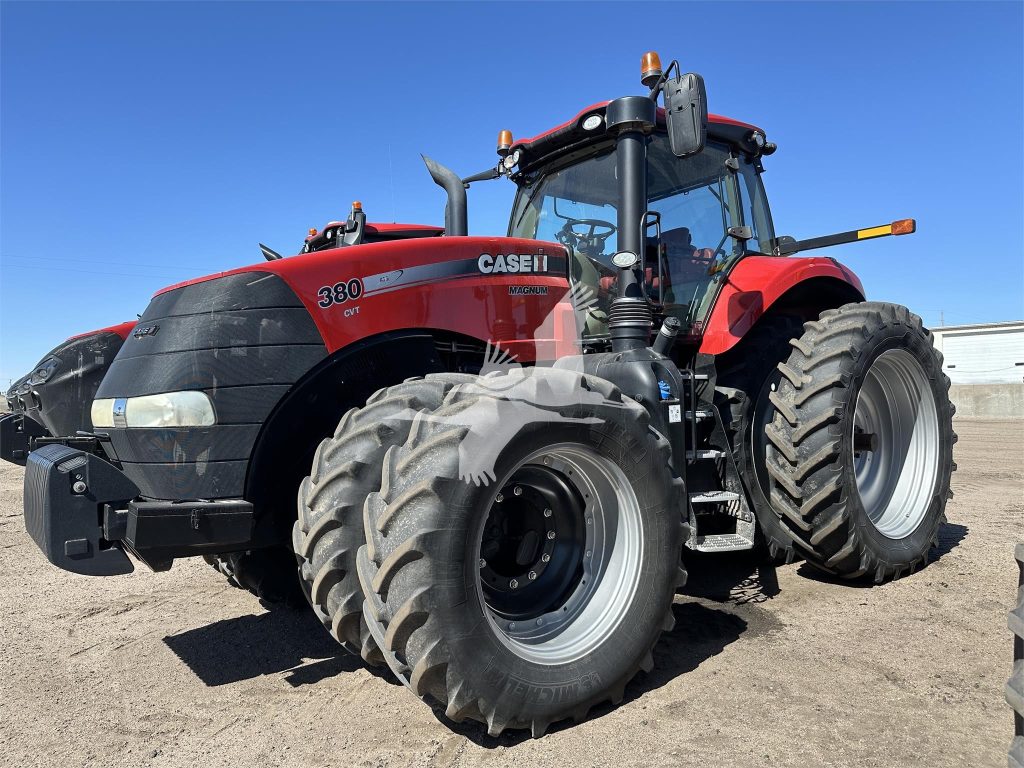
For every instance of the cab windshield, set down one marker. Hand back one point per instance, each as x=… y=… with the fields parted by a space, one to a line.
x=698 y=200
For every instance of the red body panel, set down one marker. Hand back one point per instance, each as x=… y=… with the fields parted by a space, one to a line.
x=753 y=286
x=464 y=300
x=121 y=329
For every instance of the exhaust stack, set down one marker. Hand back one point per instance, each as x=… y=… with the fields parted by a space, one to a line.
x=455 y=216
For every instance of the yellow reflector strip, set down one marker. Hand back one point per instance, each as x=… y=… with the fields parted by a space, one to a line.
x=863 y=234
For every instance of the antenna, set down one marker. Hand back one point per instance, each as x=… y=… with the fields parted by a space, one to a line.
x=391 y=176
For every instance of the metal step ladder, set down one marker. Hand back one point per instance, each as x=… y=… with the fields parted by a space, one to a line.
x=710 y=465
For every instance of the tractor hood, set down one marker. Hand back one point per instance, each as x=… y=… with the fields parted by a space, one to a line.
x=211 y=358
x=339 y=287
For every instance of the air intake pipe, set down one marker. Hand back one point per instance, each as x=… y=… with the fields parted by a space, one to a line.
x=455 y=216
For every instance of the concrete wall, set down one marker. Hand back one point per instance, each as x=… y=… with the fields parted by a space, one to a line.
x=988 y=401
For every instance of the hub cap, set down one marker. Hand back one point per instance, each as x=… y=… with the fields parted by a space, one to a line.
x=560 y=554
x=896 y=443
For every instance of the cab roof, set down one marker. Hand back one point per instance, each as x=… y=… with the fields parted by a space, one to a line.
x=571 y=134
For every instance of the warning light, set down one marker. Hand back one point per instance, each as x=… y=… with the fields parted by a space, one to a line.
x=504 y=142
x=650 y=68
x=904 y=227
x=312 y=231
x=356 y=206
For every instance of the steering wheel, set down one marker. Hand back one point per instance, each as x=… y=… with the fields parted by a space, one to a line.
x=591 y=242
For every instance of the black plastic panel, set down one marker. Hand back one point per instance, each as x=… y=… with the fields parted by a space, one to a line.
x=246 y=290
x=234 y=328
x=189 y=445
x=208 y=369
x=189 y=480
x=244 y=340
x=60 y=399
x=246 y=404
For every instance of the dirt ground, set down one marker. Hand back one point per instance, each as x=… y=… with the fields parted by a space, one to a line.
x=765 y=667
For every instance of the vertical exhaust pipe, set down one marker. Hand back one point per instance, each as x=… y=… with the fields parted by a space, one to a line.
x=455 y=216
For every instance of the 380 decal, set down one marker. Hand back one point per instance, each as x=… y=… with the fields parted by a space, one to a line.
x=339 y=293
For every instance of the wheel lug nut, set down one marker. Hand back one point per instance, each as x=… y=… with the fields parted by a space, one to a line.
x=545 y=558
x=500 y=498
x=540 y=622
x=512 y=625
x=590 y=520
x=517 y=491
x=551 y=534
x=532 y=575
x=483 y=563
x=513 y=584
x=588 y=553
x=547 y=513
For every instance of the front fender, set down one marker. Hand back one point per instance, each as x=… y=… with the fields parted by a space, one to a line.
x=755 y=284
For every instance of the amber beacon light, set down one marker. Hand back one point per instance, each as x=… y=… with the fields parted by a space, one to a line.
x=650 y=68
x=504 y=142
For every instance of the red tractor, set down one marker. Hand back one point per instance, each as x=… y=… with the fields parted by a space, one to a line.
x=501 y=445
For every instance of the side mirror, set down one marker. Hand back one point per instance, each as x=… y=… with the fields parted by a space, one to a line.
x=686 y=114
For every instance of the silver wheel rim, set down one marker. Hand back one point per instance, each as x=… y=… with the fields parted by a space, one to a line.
x=610 y=569
x=896 y=444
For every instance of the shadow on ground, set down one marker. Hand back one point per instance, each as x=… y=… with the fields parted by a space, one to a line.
x=246 y=647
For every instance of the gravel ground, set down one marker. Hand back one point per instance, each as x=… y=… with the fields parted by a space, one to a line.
x=765 y=667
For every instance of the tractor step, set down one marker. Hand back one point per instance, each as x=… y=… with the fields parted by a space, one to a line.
x=699 y=415
x=712 y=497
x=705 y=453
x=722 y=542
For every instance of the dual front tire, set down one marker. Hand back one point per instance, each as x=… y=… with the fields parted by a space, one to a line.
x=521 y=549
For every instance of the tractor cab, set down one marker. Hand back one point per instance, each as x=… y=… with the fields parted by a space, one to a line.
x=703 y=212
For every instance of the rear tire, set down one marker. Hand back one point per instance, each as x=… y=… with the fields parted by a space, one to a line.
x=441 y=567
x=329 y=529
x=746 y=380
x=861 y=443
x=267 y=573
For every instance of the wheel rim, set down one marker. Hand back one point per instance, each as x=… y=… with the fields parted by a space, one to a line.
x=584 y=557
x=895 y=443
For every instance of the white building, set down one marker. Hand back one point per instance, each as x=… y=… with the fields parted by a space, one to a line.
x=987 y=353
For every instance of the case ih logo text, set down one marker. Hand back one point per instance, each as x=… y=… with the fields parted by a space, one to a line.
x=513 y=262
x=145 y=330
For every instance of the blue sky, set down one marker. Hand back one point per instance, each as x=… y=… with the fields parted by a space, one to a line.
x=147 y=143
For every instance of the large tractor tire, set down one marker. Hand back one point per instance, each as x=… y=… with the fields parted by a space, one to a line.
x=329 y=529
x=746 y=379
x=524 y=548
x=1015 y=685
x=861 y=442
x=267 y=573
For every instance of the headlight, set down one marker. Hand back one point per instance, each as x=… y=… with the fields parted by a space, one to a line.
x=170 y=409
